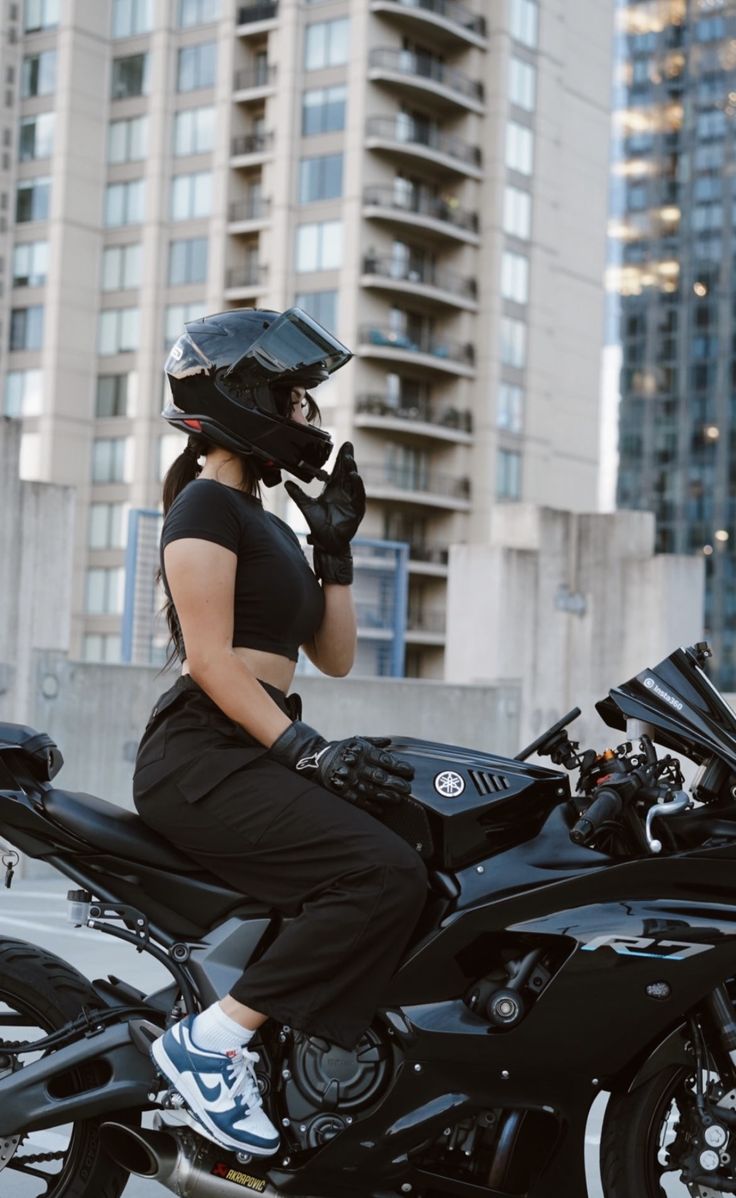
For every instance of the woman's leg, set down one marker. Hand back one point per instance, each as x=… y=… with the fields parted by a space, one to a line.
x=355 y=890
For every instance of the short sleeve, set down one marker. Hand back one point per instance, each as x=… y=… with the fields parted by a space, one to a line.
x=204 y=510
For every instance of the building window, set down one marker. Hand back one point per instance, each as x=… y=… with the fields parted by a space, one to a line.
x=322 y=305
x=111 y=459
x=103 y=647
x=326 y=44
x=23 y=393
x=519 y=148
x=177 y=315
x=26 y=327
x=118 y=331
x=517 y=212
x=320 y=178
x=130 y=17
x=515 y=277
x=40 y=14
x=129 y=76
x=127 y=141
x=191 y=196
x=116 y=395
x=107 y=525
x=323 y=110
x=121 y=267
x=513 y=342
x=124 y=203
x=194 y=131
x=30 y=264
x=105 y=590
x=525 y=22
x=508 y=474
x=169 y=448
x=510 y=408
x=32 y=200
x=188 y=261
x=38 y=74
x=197 y=12
x=319 y=246
x=36 y=137
x=522 y=84
x=196 y=67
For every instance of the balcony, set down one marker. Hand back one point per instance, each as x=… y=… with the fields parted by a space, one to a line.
x=426 y=626
x=418 y=419
x=422 y=488
x=428 y=560
x=443 y=288
x=424 y=77
x=248 y=215
x=433 y=352
x=254 y=83
x=452 y=23
x=257 y=17
x=245 y=282
x=436 y=217
x=406 y=139
x=250 y=149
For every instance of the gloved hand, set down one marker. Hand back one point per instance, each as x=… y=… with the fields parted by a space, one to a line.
x=333 y=517
x=358 y=769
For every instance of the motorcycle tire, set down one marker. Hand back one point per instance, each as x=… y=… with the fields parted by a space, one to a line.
x=631 y=1131
x=47 y=990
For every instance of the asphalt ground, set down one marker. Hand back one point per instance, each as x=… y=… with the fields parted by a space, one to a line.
x=36 y=910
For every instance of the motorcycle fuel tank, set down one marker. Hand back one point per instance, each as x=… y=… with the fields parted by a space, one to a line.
x=475 y=804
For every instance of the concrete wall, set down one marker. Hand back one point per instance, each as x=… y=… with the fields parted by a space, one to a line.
x=571 y=604
x=36 y=541
x=97 y=713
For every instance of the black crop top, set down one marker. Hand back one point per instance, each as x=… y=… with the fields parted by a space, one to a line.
x=279 y=604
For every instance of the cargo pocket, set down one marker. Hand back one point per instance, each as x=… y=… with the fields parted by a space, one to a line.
x=204 y=773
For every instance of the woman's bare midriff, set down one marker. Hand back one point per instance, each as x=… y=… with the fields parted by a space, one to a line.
x=269 y=667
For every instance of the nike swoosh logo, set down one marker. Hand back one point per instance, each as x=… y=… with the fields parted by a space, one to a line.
x=211 y=1093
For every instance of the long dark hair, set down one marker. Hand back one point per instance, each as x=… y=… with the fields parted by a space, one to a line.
x=182 y=471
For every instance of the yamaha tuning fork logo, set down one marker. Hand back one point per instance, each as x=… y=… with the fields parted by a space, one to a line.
x=449 y=784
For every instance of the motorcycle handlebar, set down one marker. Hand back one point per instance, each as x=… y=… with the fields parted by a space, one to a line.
x=606 y=806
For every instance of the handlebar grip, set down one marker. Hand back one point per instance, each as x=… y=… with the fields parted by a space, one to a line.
x=605 y=807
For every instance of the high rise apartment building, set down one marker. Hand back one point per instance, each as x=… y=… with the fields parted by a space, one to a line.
x=427 y=178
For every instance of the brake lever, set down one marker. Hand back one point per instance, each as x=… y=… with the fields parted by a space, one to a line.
x=665 y=808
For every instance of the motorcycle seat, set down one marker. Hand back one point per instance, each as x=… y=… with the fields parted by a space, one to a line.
x=114 y=830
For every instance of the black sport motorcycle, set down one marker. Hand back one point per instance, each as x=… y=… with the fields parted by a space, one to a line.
x=573 y=943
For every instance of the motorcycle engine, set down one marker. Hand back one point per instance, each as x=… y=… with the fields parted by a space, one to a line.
x=323 y=1087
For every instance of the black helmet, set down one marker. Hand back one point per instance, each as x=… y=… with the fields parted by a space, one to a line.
x=231 y=376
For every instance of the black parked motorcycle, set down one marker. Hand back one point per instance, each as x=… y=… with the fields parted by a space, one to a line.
x=572 y=943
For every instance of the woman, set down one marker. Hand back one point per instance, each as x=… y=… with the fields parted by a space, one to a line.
x=226 y=770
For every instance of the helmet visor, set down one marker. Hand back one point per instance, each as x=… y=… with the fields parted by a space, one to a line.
x=186 y=360
x=294 y=344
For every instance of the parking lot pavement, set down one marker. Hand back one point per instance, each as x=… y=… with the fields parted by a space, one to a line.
x=36 y=910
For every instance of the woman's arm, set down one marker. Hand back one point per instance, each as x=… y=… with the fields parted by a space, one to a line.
x=332 y=648
x=201 y=578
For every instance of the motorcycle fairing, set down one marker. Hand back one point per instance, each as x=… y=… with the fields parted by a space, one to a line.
x=682 y=704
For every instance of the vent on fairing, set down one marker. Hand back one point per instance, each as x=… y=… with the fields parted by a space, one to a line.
x=487 y=784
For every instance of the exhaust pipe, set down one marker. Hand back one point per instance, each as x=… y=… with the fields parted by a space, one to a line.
x=180 y=1164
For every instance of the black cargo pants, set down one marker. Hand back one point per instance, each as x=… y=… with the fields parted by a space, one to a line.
x=356 y=888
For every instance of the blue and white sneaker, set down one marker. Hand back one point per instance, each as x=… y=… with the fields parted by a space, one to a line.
x=220 y=1090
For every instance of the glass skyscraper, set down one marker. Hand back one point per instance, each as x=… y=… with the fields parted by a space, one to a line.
x=673 y=213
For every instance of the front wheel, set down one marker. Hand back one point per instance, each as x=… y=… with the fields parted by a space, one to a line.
x=39 y=993
x=655 y=1143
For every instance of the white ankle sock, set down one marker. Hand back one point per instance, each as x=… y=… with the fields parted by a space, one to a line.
x=216 y=1031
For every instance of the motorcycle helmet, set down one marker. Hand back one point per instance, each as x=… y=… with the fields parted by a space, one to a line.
x=231 y=376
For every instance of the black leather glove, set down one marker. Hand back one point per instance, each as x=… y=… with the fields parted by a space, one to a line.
x=358 y=769
x=333 y=517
